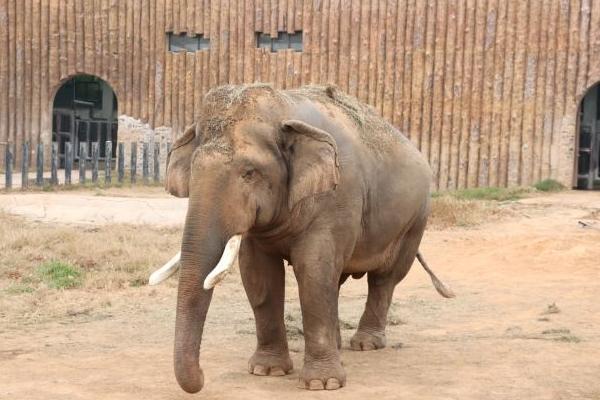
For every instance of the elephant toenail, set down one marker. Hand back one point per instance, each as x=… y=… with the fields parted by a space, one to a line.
x=332 y=384
x=316 y=384
x=260 y=370
x=277 y=371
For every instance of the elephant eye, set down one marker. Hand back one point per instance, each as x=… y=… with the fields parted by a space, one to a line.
x=248 y=174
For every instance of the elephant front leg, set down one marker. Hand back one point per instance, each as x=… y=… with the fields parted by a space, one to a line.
x=263 y=276
x=318 y=288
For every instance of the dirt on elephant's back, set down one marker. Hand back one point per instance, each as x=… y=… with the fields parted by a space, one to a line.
x=524 y=325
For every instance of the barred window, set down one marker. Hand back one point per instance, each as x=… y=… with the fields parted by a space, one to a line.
x=283 y=41
x=184 y=42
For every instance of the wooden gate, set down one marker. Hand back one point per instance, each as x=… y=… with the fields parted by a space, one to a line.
x=67 y=127
x=588 y=171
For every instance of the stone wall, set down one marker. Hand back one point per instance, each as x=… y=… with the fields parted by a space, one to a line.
x=132 y=130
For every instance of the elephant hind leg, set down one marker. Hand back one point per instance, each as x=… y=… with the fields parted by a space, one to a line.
x=370 y=334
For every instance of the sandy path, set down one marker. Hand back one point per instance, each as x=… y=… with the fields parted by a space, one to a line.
x=494 y=341
x=87 y=207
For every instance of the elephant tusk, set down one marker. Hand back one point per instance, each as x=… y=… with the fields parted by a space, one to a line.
x=165 y=271
x=232 y=248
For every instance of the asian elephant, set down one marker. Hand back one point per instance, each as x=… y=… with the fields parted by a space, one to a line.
x=310 y=176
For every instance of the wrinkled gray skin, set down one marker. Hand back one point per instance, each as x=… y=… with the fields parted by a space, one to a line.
x=179 y=162
x=296 y=174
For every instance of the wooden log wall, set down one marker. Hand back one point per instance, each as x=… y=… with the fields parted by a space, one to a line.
x=488 y=89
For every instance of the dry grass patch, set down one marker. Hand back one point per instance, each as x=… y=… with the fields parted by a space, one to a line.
x=448 y=211
x=39 y=261
x=470 y=207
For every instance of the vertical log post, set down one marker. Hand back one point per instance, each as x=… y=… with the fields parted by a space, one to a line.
x=145 y=167
x=39 y=165
x=82 y=162
x=25 y=166
x=133 y=165
x=121 y=162
x=156 y=162
x=95 y=157
x=68 y=162
x=107 y=162
x=54 y=164
x=8 y=167
x=169 y=146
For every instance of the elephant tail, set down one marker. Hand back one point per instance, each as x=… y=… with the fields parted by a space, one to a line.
x=440 y=286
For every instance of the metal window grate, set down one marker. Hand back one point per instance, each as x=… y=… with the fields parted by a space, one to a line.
x=283 y=41
x=184 y=42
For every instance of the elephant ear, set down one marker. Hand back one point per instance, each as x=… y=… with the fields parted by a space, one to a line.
x=179 y=163
x=313 y=161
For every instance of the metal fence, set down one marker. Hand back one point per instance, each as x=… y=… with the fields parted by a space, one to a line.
x=84 y=163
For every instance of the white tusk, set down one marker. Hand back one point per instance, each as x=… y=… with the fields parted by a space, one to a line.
x=230 y=253
x=165 y=271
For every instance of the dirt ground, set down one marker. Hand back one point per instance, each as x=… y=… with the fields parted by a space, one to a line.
x=524 y=325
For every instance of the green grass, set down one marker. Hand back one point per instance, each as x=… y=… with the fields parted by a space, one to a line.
x=549 y=185
x=60 y=275
x=489 y=193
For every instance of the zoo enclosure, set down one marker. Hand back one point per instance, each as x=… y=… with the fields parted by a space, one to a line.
x=489 y=90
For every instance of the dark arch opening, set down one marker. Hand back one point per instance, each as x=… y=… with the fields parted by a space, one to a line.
x=85 y=111
x=588 y=149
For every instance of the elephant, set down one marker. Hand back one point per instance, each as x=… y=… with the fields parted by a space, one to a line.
x=310 y=176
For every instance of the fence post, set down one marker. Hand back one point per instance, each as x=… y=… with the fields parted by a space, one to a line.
x=8 y=167
x=82 y=161
x=25 y=166
x=156 y=162
x=169 y=145
x=121 y=162
x=39 y=165
x=145 y=166
x=68 y=162
x=133 y=165
x=107 y=161
x=54 y=164
x=95 y=155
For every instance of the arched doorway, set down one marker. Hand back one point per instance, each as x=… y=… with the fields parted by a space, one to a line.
x=85 y=111
x=588 y=151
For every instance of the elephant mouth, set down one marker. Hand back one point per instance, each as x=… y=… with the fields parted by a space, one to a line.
x=216 y=275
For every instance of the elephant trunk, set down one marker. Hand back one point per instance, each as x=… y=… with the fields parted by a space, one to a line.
x=202 y=246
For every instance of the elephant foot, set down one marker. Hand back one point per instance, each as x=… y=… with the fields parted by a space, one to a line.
x=265 y=363
x=363 y=341
x=321 y=375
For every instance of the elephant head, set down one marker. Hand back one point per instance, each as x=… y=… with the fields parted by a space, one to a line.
x=254 y=162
